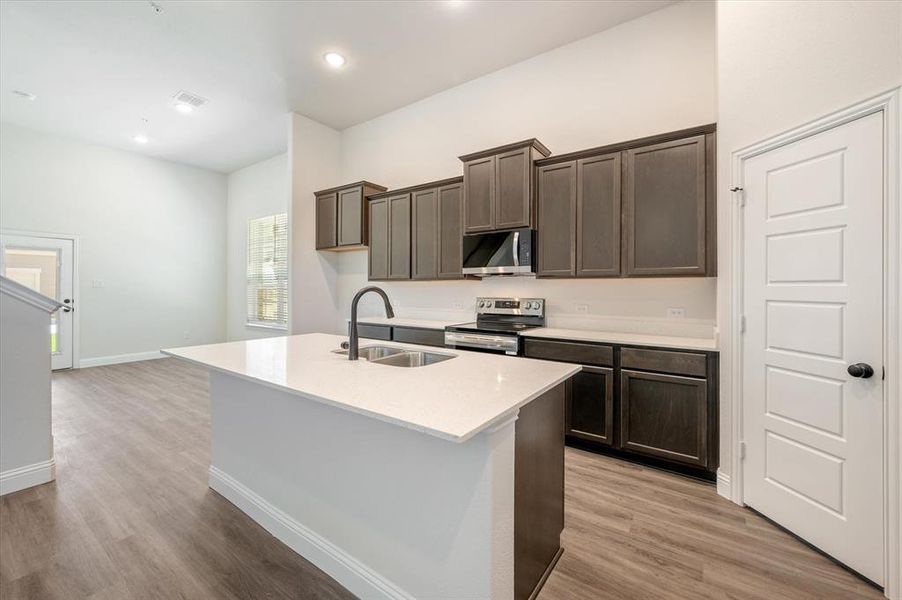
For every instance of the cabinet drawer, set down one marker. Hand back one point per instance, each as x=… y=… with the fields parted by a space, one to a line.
x=374 y=332
x=573 y=352
x=680 y=363
x=415 y=335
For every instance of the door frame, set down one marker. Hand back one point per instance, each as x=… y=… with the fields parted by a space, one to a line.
x=888 y=104
x=76 y=329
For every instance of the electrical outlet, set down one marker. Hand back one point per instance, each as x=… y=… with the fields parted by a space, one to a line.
x=458 y=305
x=98 y=283
x=582 y=308
x=676 y=313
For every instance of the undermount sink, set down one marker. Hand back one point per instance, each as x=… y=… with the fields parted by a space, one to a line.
x=372 y=353
x=399 y=357
x=414 y=359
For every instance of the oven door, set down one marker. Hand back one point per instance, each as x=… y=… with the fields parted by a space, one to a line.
x=499 y=253
x=487 y=342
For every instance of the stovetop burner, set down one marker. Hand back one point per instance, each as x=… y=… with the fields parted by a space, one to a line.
x=494 y=326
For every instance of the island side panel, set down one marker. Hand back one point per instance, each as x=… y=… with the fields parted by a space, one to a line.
x=386 y=511
x=539 y=491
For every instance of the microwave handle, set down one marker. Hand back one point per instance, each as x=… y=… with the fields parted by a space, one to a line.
x=516 y=239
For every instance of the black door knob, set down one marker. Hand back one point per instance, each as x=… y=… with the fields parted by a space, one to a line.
x=862 y=370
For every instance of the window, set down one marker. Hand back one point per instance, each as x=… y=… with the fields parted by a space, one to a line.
x=267 y=271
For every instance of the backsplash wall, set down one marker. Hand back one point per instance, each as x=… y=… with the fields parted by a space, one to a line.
x=570 y=98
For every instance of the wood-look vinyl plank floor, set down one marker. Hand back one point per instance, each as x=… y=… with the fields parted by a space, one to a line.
x=130 y=516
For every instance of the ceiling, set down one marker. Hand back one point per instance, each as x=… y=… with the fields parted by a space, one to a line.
x=98 y=68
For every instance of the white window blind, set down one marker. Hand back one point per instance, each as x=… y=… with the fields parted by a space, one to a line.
x=267 y=271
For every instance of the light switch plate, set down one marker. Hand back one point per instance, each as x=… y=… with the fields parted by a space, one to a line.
x=98 y=283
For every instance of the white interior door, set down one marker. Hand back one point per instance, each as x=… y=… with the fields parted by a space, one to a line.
x=45 y=264
x=813 y=304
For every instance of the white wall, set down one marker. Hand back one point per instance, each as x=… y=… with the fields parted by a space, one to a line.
x=255 y=191
x=647 y=76
x=153 y=231
x=313 y=154
x=780 y=65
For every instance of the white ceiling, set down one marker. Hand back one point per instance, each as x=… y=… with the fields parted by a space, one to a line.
x=99 y=68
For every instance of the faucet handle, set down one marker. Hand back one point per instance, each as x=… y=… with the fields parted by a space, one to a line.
x=345 y=345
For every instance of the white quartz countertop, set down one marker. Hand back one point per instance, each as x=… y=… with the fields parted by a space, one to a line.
x=402 y=322
x=582 y=335
x=612 y=337
x=454 y=399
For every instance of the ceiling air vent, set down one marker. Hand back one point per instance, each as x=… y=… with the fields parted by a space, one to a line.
x=192 y=100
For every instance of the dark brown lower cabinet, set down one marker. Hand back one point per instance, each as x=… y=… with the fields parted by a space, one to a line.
x=590 y=405
x=665 y=416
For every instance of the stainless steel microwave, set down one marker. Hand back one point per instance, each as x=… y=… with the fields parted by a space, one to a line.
x=499 y=253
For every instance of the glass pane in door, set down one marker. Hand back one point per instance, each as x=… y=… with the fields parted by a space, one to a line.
x=37 y=269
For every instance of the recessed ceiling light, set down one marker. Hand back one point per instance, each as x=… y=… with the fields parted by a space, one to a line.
x=183 y=108
x=334 y=59
x=26 y=95
x=140 y=138
x=455 y=3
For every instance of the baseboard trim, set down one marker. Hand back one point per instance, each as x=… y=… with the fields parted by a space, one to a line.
x=116 y=359
x=28 y=476
x=724 y=487
x=359 y=579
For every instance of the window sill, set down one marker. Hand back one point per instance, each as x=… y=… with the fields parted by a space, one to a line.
x=267 y=327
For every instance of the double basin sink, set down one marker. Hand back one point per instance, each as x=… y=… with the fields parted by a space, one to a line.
x=399 y=357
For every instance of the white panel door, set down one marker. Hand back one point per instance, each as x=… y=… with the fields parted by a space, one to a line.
x=813 y=304
x=46 y=265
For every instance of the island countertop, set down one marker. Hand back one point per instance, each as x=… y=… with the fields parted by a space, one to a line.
x=454 y=399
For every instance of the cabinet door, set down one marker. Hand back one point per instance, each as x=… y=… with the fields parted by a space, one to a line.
x=557 y=220
x=513 y=189
x=598 y=216
x=326 y=221
x=449 y=231
x=664 y=416
x=350 y=217
x=479 y=195
x=665 y=208
x=378 y=234
x=399 y=237
x=424 y=231
x=590 y=405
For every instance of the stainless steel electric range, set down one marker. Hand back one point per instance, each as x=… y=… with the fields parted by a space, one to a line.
x=498 y=324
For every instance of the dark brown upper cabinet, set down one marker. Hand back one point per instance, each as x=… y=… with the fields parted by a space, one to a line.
x=645 y=207
x=341 y=216
x=424 y=257
x=450 y=220
x=389 y=236
x=665 y=205
x=499 y=187
x=557 y=219
x=598 y=216
x=579 y=217
x=415 y=232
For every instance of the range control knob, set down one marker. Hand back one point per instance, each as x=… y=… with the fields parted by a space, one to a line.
x=528 y=305
x=481 y=304
x=488 y=304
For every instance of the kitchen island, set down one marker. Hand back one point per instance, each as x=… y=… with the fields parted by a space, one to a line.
x=440 y=481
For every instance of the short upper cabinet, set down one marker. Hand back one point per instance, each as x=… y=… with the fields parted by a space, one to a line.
x=389 y=230
x=666 y=208
x=590 y=405
x=664 y=416
x=341 y=216
x=499 y=187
